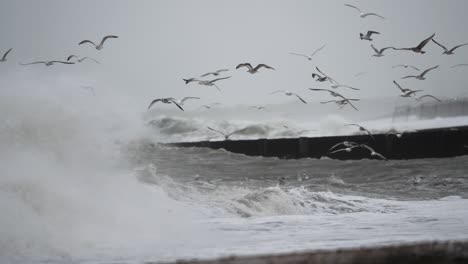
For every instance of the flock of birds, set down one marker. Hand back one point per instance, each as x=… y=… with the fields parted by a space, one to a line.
x=318 y=76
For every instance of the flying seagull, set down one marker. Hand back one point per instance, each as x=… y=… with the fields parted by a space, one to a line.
x=363 y=129
x=253 y=70
x=379 y=53
x=81 y=59
x=47 y=63
x=405 y=66
x=421 y=76
x=373 y=153
x=459 y=65
x=346 y=144
x=368 y=35
x=215 y=73
x=212 y=82
x=288 y=93
x=226 y=136
x=309 y=57
x=341 y=103
x=418 y=49
x=169 y=100
x=258 y=107
x=323 y=77
x=406 y=92
x=5 y=55
x=362 y=14
x=428 y=96
x=448 y=51
x=101 y=45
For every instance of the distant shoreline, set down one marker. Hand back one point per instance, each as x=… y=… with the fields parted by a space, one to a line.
x=420 y=253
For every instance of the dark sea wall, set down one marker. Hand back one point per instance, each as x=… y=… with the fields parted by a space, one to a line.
x=430 y=143
x=422 y=253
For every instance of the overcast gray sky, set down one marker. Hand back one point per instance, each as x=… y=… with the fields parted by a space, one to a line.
x=162 y=42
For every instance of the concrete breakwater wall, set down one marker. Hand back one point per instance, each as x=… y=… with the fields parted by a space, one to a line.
x=429 y=143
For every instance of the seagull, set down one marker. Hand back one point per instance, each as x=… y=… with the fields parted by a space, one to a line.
x=101 y=45
x=373 y=153
x=3 y=59
x=406 y=66
x=363 y=129
x=187 y=81
x=322 y=78
x=368 y=35
x=363 y=15
x=429 y=96
x=393 y=132
x=212 y=82
x=359 y=74
x=349 y=145
x=253 y=70
x=337 y=85
x=257 y=107
x=448 y=51
x=89 y=88
x=226 y=136
x=47 y=63
x=169 y=100
x=418 y=49
x=288 y=93
x=332 y=93
x=379 y=53
x=311 y=55
x=181 y=101
x=78 y=59
x=406 y=92
x=215 y=73
x=421 y=76
x=342 y=103
x=459 y=65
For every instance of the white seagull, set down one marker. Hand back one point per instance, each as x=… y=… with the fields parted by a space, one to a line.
x=379 y=53
x=226 y=136
x=309 y=57
x=288 y=93
x=81 y=59
x=405 y=66
x=47 y=63
x=215 y=73
x=3 y=59
x=253 y=70
x=448 y=51
x=341 y=103
x=421 y=76
x=212 y=82
x=323 y=78
x=418 y=49
x=368 y=35
x=169 y=100
x=373 y=153
x=362 y=14
x=101 y=45
x=406 y=92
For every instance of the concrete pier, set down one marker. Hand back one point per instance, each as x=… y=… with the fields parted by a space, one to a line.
x=429 y=143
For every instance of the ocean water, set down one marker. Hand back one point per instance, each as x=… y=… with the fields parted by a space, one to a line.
x=83 y=183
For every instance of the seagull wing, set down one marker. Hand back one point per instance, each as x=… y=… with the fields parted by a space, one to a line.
x=431 y=96
x=244 y=65
x=440 y=45
x=349 y=102
x=370 y=32
x=428 y=70
x=6 y=53
x=409 y=76
x=153 y=102
x=399 y=87
x=302 y=100
x=297 y=54
x=316 y=89
x=264 y=66
x=63 y=62
x=86 y=41
x=187 y=98
x=331 y=101
x=91 y=59
x=413 y=67
x=212 y=129
x=71 y=56
x=458 y=65
x=106 y=38
x=355 y=7
x=375 y=50
x=206 y=74
x=279 y=91
x=346 y=86
x=174 y=102
x=222 y=70
x=373 y=14
x=237 y=131
x=319 y=49
x=424 y=42
x=222 y=78
x=458 y=46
